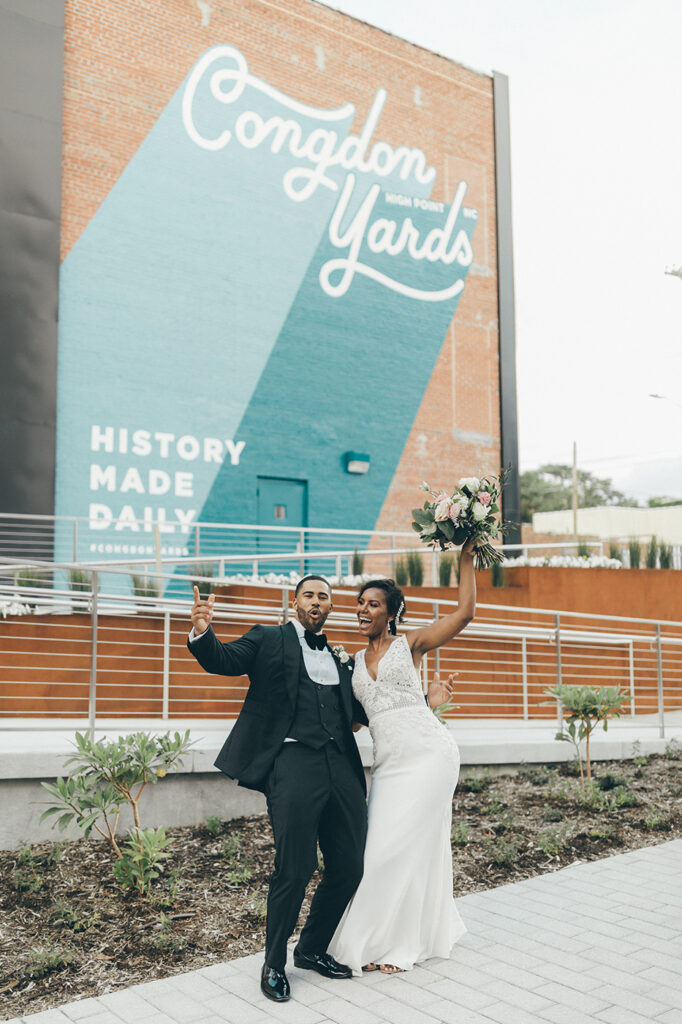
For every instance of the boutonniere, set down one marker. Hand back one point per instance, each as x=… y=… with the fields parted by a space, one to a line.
x=339 y=651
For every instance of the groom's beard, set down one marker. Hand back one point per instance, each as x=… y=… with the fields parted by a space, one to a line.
x=315 y=624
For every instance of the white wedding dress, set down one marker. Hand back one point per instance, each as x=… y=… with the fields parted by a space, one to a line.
x=403 y=911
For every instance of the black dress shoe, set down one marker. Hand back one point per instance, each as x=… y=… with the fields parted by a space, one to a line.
x=274 y=984
x=323 y=963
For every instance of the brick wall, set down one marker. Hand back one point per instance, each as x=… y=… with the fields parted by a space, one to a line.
x=125 y=60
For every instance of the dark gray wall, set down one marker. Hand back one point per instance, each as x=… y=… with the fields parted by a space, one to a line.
x=507 y=326
x=31 y=72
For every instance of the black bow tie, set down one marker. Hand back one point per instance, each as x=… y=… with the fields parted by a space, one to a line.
x=315 y=641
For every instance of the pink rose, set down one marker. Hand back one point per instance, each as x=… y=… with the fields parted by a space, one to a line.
x=443 y=497
x=454 y=512
x=484 y=497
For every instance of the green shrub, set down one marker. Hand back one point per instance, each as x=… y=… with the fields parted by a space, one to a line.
x=260 y=906
x=673 y=750
x=610 y=780
x=536 y=774
x=603 y=832
x=142 y=859
x=652 y=554
x=167 y=896
x=553 y=814
x=30 y=577
x=46 y=960
x=494 y=806
x=144 y=586
x=460 y=834
x=206 y=569
x=26 y=877
x=503 y=852
x=591 y=796
x=475 y=783
x=107 y=775
x=587 y=706
x=232 y=848
x=657 y=822
x=614 y=550
x=61 y=914
x=638 y=758
x=53 y=855
x=401 y=573
x=665 y=556
x=415 y=568
x=497 y=574
x=357 y=563
x=80 y=580
x=164 y=941
x=621 y=796
x=583 y=550
x=445 y=569
x=635 y=550
x=214 y=826
x=552 y=840
x=238 y=876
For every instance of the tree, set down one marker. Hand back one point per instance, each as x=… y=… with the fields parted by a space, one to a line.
x=550 y=487
x=663 y=502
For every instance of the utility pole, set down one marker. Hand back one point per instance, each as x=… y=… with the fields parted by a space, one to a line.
x=575 y=491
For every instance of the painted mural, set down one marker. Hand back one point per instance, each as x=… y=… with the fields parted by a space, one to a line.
x=266 y=288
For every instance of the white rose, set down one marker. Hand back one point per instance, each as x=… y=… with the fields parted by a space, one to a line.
x=472 y=483
x=443 y=510
x=479 y=511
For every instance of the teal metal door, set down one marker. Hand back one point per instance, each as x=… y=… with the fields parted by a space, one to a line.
x=282 y=502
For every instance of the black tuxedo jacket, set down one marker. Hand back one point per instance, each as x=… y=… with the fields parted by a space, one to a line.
x=271 y=657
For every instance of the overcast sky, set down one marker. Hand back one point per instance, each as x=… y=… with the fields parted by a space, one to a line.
x=596 y=109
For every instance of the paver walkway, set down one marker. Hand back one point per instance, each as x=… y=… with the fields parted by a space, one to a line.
x=596 y=942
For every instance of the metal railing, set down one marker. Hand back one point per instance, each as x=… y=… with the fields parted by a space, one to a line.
x=143 y=542
x=81 y=655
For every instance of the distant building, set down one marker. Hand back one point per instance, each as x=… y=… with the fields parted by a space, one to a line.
x=613 y=522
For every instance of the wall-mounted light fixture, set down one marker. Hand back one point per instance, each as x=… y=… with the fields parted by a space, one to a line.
x=355 y=462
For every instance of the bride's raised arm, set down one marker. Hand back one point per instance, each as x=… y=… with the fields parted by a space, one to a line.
x=439 y=632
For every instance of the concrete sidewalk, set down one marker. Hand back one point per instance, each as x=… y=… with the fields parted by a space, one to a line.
x=595 y=942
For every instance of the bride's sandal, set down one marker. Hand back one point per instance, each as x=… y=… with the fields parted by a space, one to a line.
x=390 y=969
x=371 y=967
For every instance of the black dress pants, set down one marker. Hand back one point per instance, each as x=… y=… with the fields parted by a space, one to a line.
x=312 y=795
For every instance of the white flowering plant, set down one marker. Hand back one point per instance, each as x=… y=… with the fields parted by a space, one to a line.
x=472 y=510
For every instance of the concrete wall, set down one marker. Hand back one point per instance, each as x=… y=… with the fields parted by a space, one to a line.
x=189 y=797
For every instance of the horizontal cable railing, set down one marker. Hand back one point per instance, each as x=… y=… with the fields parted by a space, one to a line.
x=83 y=539
x=86 y=653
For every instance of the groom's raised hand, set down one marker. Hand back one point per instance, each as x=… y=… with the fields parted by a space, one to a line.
x=202 y=612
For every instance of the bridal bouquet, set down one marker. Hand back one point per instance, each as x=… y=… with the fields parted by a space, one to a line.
x=449 y=520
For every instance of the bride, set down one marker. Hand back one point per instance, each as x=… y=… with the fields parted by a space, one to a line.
x=403 y=911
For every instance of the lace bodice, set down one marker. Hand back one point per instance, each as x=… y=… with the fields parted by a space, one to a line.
x=397 y=684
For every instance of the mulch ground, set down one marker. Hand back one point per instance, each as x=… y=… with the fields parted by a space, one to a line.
x=68 y=931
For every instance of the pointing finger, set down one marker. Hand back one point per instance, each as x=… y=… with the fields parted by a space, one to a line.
x=196 y=595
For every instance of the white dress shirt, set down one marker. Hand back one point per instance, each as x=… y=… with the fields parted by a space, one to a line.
x=320 y=665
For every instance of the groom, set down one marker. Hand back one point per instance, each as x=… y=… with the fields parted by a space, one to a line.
x=293 y=741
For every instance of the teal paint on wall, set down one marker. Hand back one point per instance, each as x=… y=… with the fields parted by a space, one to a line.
x=171 y=302
x=209 y=299
x=345 y=374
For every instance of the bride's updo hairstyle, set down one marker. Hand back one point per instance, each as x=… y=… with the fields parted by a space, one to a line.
x=395 y=600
